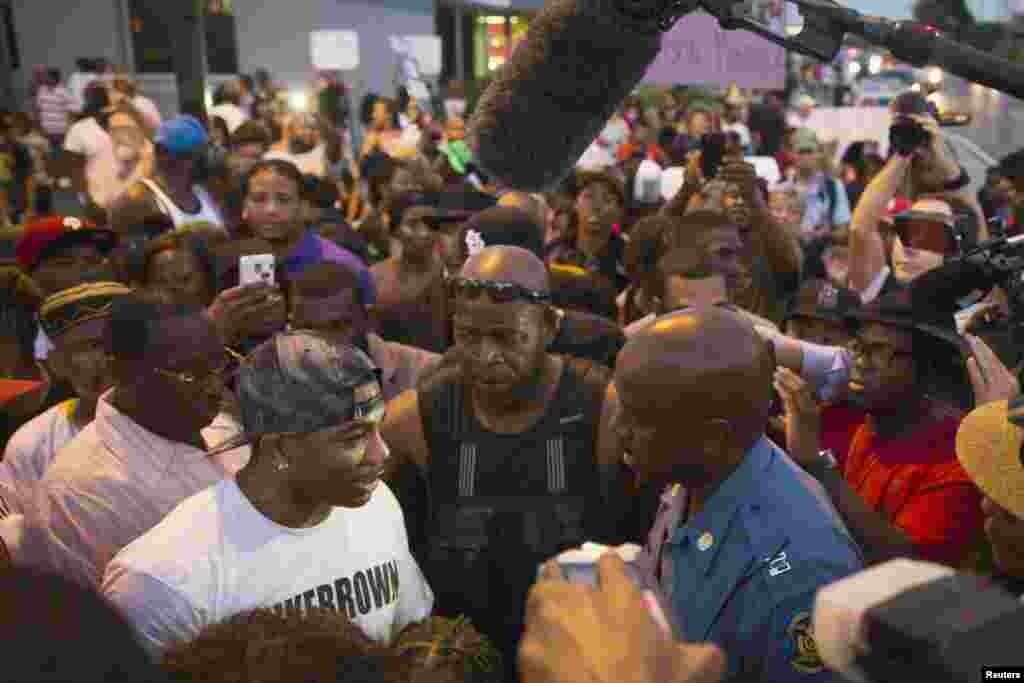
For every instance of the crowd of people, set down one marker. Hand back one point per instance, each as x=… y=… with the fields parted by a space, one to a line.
x=358 y=464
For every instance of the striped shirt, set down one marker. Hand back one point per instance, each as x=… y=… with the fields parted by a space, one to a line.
x=54 y=106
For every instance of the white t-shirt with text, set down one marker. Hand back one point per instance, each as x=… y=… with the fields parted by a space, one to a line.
x=215 y=556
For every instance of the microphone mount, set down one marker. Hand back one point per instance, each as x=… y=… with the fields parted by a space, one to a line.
x=826 y=23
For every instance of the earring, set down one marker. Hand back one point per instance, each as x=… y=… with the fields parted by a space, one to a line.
x=281 y=463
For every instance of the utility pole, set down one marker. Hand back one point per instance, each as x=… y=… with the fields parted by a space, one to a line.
x=186 y=26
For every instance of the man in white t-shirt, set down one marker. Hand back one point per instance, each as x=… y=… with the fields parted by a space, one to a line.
x=74 y=320
x=307 y=523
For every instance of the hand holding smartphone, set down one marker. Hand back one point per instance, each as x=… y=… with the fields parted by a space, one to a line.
x=256 y=269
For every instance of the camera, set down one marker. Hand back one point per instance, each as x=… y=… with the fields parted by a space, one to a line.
x=906 y=135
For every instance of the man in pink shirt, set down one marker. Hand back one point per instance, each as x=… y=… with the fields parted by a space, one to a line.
x=74 y=321
x=142 y=455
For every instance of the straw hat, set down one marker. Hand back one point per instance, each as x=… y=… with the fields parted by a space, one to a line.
x=988 y=445
x=734 y=97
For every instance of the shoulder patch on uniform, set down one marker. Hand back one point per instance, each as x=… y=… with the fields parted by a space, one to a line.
x=800 y=634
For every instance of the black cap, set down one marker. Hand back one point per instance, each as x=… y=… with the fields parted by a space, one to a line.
x=821 y=300
x=502 y=226
x=911 y=104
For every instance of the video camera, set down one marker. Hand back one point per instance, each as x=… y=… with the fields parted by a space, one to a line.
x=909 y=620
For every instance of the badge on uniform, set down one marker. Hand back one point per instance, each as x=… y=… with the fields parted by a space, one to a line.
x=778 y=565
x=804 y=651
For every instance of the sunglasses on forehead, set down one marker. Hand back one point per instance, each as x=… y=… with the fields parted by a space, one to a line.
x=500 y=292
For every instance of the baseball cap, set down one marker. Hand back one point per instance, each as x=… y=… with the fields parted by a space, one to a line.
x=988 y=446
x=181 y=135
x=502 y=226
x=444 y=207
x=821 y=300
x=300 y=382
x=43 y=237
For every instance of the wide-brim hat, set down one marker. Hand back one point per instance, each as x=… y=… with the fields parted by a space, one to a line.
x=988 y=446
x=926 y=305
x=822 y=300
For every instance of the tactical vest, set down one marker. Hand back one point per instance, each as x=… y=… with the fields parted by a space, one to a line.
x=502 y=504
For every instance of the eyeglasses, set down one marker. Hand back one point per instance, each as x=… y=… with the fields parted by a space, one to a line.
x=500 y=292
x=214 y=377
x=879 y=355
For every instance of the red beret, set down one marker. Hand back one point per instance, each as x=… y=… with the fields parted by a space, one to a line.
x=47 y=232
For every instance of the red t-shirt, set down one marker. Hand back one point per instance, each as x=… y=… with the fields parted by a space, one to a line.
x=916 y=482
x=839 y=424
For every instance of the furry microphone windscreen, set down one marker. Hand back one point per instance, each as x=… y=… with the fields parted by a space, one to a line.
x=580 y=59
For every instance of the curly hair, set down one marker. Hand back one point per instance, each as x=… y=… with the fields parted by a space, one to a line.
x=443 y=650
x=266 y=646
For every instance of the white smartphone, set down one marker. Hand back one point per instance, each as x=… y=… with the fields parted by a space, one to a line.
x=256 y=268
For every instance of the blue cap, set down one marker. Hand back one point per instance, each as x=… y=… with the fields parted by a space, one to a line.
x=181 y=135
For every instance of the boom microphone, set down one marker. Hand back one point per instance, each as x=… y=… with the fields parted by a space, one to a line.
x=578 y=62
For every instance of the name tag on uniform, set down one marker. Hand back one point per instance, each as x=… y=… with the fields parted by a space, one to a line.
x=778 y=565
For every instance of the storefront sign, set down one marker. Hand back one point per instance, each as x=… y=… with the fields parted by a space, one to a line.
x=698 y=52
x=330 y=50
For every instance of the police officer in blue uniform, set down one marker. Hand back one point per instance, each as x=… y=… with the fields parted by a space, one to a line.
x=744 y=539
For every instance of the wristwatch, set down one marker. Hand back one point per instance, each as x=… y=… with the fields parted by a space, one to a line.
x=827 y=460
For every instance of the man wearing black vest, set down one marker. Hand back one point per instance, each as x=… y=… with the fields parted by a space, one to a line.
x=515 y=444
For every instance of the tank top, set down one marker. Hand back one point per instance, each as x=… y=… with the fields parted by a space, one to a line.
x=501 y=504
x=208 y=211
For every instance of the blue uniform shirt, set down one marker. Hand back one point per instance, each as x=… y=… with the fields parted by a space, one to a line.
x=746 y=568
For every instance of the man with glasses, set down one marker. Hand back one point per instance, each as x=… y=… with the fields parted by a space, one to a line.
x=75 y=321
x=143 y=453
x=901 y=490
x=307 y=523
x=515 y=443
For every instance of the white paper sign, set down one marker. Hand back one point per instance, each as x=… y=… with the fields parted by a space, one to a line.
x=334 y=50
x=423 y=50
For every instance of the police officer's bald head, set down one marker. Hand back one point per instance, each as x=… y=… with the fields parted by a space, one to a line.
x=706 y=363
